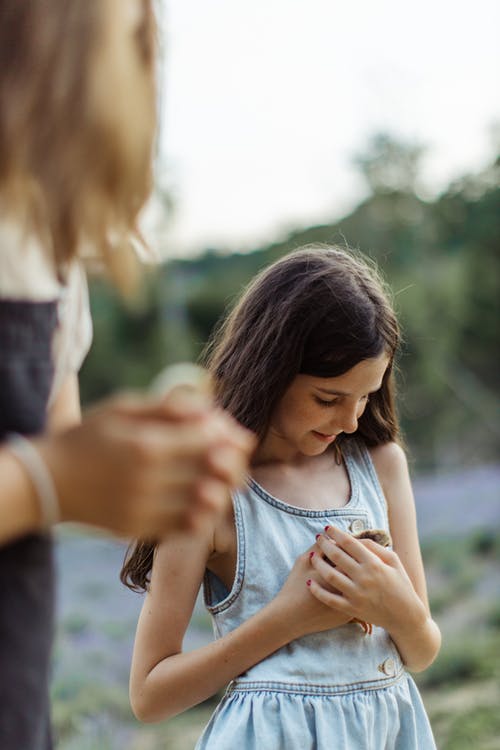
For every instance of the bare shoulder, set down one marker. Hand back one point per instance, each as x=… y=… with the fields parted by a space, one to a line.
x=178 y=551
x=390 y=464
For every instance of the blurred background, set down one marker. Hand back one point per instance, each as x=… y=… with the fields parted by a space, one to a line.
x=283 y=123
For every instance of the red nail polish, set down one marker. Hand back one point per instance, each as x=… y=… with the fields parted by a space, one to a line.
x=311 y=555
x=308 y=583
x=317 y=536
x=326 y=528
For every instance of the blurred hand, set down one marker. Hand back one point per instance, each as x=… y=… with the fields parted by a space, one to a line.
x=141 y=467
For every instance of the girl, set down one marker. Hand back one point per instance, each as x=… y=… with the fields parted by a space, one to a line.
x=77 y=119
x=305 y=360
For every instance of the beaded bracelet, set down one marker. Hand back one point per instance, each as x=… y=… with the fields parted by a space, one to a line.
x=37 y=470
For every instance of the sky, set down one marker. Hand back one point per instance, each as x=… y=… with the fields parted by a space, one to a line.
x=264 y=104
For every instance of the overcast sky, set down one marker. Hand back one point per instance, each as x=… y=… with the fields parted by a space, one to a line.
x=265 y=102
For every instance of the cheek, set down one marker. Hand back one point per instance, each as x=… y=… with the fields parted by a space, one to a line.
x=119 y=76
x=293 y=414
x=362 y=408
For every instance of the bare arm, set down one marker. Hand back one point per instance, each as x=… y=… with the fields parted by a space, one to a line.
x=385 y=587
x=164 y=680
x=19 y=507
x=416 y=634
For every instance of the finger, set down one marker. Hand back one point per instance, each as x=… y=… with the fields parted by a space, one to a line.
x=212 y=495
x=157 y=516
x=184 y=403
x=124 y=402
x=182 y=376
x=333 y=577
x=186 y=507
x=332 y=600
x=225 y=463
x=353 y=547
x=175 y=406
x=229 y=464
x=168 y=442
x=240 y=436
x=385 y=554
x=179 y=477
x=336 y=555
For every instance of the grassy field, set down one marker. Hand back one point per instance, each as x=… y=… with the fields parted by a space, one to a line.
x=461 y=690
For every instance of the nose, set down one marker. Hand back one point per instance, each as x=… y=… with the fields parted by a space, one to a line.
x=347 y=419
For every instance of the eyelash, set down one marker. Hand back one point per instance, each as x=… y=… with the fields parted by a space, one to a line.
x=322 y=402
x=326 y=404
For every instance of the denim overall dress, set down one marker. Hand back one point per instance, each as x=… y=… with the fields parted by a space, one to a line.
x=26 y=565
x=340 y=689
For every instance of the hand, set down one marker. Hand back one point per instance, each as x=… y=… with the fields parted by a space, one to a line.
x=142 y=467
x=364 y=580
x=304 y=612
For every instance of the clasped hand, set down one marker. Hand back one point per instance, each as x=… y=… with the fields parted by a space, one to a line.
x=144 y=467
x=360 y=579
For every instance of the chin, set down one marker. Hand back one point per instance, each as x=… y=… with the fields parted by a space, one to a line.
x=316 y=450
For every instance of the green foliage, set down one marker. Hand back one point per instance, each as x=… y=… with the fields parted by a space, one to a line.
x=477 y=728
x=75 y=702
x=486 y=543
x=75 y=624
x=493 y=617
x=464 y=660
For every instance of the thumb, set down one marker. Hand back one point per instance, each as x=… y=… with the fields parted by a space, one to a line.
x=176 y=407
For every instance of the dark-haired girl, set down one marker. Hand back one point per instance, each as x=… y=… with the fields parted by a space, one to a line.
x=315 y=628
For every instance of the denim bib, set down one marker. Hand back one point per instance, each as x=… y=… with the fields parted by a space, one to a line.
x=340 y=688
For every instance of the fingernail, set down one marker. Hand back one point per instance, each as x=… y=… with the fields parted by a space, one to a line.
x=311 y=555
x=308 y=582
x=327 y=527
x=317 y=536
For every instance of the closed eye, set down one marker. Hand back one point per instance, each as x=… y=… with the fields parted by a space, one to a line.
x=326 y=404
x=323 y=402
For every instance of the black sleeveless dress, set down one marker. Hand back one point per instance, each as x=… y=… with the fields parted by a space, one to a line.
x=26 y=566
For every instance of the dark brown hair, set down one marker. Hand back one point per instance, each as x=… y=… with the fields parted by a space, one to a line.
x=317 y=311
x=77 y=123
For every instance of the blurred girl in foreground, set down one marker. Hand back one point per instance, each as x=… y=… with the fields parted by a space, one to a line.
x=77 y=123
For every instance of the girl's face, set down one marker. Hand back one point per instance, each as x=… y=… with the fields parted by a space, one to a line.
x=314 y=411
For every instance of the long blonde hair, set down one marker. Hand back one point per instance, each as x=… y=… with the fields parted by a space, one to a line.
x=77 y=122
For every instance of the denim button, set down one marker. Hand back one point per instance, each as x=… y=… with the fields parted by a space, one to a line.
x=357 y=525
x=388 y=667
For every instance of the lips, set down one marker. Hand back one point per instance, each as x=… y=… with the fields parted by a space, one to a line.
x=324 y=438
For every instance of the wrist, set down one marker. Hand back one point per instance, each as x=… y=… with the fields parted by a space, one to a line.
x=35 y=467
x=411 y=620
x=282 y=620
x=53 y=455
